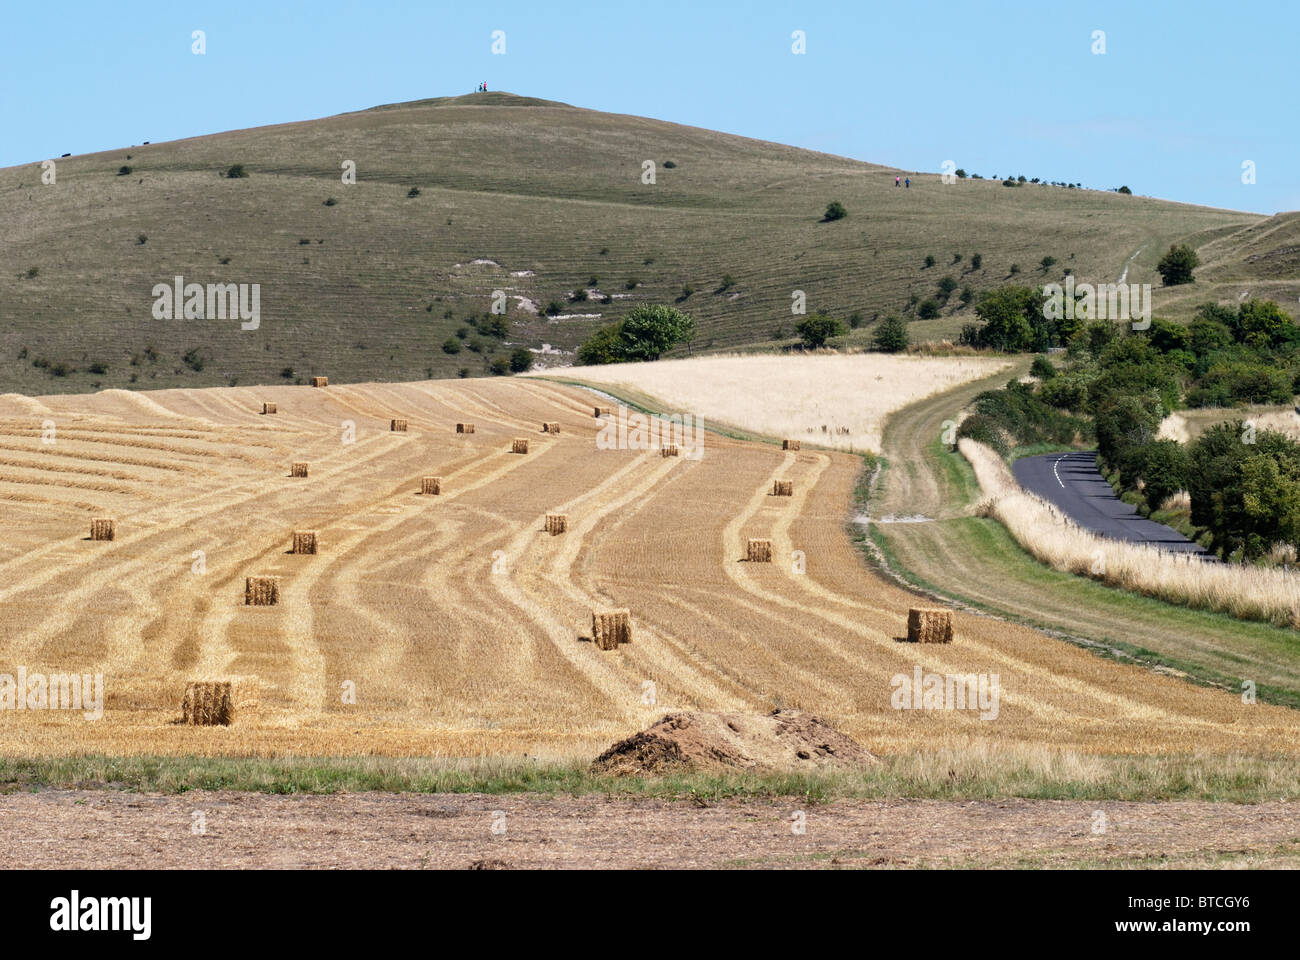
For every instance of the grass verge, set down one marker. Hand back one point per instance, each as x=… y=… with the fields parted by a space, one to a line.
x=972 y=774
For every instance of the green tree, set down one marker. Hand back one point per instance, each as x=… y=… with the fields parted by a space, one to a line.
x=521 y=360
x=1163 y=471
x=891 y=335
x=1013 y=319
x=645 y=333
x=652 y=330
x=1176 y=266
x=1261 y=323
x=603 y=346
x=835 y=211
x=815 y=329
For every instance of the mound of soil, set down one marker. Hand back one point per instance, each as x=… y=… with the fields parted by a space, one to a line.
x=782 y=741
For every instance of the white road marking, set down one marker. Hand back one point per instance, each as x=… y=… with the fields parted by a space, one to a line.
x=1056 y=464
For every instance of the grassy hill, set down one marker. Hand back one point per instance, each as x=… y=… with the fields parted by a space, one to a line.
x=547 y=196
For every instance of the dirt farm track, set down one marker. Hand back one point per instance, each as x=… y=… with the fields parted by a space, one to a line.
x=456 y=619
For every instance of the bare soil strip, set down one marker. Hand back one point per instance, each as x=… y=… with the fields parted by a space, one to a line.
x=232 y=830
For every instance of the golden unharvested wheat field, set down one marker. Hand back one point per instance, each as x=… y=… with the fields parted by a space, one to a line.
x=457 y=618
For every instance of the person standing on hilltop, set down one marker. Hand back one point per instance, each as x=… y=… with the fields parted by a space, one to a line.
x=908 y=183
x=896 y=183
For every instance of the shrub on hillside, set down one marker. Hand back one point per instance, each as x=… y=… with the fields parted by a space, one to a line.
x=236 y=172
x=815 y=330
x=521 y=360
x=1176 y=266
x=835 y=211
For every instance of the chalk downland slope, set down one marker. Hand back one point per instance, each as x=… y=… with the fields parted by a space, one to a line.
x=519 y=195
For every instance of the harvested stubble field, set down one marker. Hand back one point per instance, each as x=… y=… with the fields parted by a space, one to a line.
x=450 y=658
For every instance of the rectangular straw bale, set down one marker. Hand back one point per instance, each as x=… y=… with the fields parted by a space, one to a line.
x=609 y=628
x=603 y=411
x=397 y=426
x=268 y=407
x=208 y=703
x=929 y=625
x=519 y=445
x=759 y=551
x=320 y=381
x=431 y=486
x=557 y=523
x=551 y=426
x=789 y=444
x=783 y=488
x=304 y=541
x=261 y=591
x=103 y=528
x=670 y=451
x=299 y=469
x=219 y=702
x=464 y=428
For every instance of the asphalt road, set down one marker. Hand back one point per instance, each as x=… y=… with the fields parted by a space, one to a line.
x=1073 y=483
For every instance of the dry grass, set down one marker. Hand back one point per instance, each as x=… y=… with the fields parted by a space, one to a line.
x=929 y=626
x=103 y=528
x=1248 y=592
x=837 y=401
x=522 y=203
x=431 y=486
x=1187 y=425
x=758 y=550
x=610 y=628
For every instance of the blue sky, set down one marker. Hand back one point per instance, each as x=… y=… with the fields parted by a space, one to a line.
x=1183 y=96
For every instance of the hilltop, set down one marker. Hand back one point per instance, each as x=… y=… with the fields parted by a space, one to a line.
x=533 y=198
